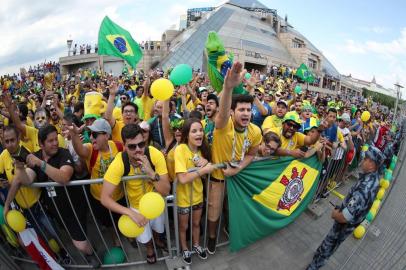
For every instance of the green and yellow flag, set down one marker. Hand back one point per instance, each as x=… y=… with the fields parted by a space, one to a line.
x=268 y=195
x=116 y=41
x=304 y=73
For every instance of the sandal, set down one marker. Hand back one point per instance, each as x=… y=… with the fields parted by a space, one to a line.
x=151 y=259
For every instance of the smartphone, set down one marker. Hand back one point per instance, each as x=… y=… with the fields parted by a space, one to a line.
x=21 y=155
x=304 y=148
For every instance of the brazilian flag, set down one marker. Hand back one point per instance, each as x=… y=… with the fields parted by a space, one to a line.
x=116 y=41
x=305 y=74
x=268 y=195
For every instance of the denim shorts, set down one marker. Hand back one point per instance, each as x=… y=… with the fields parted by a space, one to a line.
x=186 y=210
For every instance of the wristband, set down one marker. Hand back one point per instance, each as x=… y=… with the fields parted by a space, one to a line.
x=43 y=166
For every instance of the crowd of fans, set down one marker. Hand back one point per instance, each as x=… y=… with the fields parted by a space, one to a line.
x=92 y=125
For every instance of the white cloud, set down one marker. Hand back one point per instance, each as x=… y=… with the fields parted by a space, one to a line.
x=374 y=29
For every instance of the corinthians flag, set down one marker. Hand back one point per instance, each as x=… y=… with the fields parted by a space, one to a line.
x=268 y=195
x=116 y=41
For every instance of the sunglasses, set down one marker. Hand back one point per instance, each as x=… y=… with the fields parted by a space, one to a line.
x=123 y=98
x=134 y=146
x=292 y=125
x=95 y=134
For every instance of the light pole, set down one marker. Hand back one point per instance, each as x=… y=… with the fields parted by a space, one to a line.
x=398 y=87
x=69 y=43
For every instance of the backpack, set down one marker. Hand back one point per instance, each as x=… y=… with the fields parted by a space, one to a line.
x=95 y=153
x=126 y=161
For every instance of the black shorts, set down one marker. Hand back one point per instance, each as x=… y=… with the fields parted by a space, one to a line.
x=60 y=208
x=102 y=214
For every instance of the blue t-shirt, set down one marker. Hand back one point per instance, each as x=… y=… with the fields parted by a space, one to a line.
x=257 y=118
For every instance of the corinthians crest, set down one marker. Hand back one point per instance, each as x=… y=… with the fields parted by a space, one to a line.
x=293 y=189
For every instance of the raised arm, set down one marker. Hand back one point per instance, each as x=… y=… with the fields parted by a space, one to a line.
x=110 y=104
x=168 y=136
x=233 y=78
x=12 y=110
x=80 y=149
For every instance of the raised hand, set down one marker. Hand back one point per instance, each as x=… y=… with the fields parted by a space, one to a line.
x=234 y=76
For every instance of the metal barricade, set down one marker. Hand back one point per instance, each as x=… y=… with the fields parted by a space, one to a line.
x=95 y=234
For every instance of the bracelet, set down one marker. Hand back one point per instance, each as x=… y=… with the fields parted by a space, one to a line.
x=43 y=166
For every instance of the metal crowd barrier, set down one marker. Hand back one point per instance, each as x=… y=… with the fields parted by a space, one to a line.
x=332 y=173
x=97 y=238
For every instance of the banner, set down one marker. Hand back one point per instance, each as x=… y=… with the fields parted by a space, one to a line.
x=268 y=195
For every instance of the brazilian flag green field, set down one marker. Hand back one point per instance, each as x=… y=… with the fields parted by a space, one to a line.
x=268 y=195
x=116 y=41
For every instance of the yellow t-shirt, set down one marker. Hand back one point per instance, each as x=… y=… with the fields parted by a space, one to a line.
x=293 y=143
x=116 y=132
x=103 y=161
x=30 y=141
x=26 y=196
x=57 y=125
x=222 y=146
x=147 y=104
x=170 y=164
x=135 y=187
x=270 y=122
x=183 y=162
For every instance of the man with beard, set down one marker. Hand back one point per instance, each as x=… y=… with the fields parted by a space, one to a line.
x=29 y=135
x=276 y=119
x=138 y=158
x=235 y=142
x=129 y=112
x=211 y=112
x=292 y=141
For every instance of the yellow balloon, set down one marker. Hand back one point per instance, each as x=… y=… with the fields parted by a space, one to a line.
x=365 y=116
x=373 y=211
x=376 y=204
x=10 y=235
x=384 y=183
x=128 y=227
x=54 y=245
x=359 y=232
x=152 y=205
x=16 y=220
x=162 y=89
x=380 y=194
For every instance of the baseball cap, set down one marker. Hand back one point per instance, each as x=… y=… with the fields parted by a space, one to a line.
x=100 y=125
x=213 y=97
x=345 y=117
x=260 y=89
x=376 y=155
x=282 y=102
x=292 y=116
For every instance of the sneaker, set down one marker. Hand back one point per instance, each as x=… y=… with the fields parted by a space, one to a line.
x=211 y=246
x=93 y=261
x=200 y=252
x=187 y=256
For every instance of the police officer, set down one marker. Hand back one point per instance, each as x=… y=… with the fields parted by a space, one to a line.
x=353 y=209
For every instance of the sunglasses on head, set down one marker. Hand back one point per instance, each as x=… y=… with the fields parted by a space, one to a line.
x=94 y=134
x=134 y=146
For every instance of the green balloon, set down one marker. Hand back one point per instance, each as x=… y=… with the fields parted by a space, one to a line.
x=370 y=217
x=2 y=221
x=182 y=74
x=388 y=175
x=392 y=165
x=114 y=256
x=247 y=76
x=395 y=159
x=298 y=89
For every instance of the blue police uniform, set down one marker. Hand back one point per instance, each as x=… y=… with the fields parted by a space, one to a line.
x=354 y=209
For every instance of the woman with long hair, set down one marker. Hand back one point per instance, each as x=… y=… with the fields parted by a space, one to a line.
x=192 y=152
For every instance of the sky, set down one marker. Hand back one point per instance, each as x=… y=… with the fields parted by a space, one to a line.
x=361 y=38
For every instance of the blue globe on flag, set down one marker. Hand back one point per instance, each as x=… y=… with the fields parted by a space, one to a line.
x=120 y=44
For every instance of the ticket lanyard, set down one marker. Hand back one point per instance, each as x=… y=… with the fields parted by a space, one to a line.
x=244 y=147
